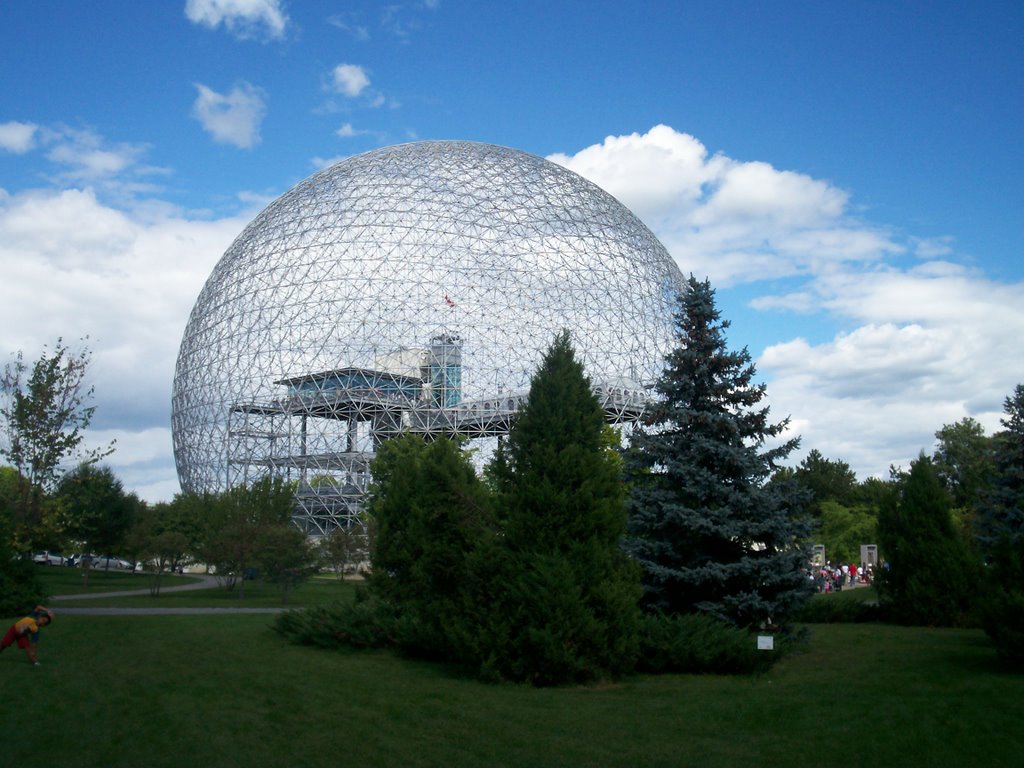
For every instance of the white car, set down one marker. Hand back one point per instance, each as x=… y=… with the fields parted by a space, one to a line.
x=48 y=558
x=110 y=562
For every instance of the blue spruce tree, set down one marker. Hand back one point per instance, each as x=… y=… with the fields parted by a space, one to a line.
x=711 y=535
x=1001 y=535
x=1002 y=508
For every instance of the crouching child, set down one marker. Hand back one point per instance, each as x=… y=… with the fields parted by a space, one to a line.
x=25 y=632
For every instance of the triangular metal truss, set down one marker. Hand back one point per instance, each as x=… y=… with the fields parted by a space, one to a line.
x=414 y=288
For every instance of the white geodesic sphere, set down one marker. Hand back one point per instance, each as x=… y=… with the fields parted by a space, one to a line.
x=367 y=261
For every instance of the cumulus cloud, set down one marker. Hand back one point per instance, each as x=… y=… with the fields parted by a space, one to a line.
x=926 y=346
x=233 y=118
x=16 y=137
x=913 y=339
x=731 y=220
x=242 y=18
x=349 y=80
x=347 y=131
x=914 y=347
x=127 y=279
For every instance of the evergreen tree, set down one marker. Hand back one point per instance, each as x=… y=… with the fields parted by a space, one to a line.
x=709 y=531
x=1002 y=507
x=930 y=573
x=1001 y=533
x=564 y=596
x=827 y=480
x=432 y=515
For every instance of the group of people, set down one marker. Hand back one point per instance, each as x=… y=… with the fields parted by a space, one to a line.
x=25 y=632
x=831 y=578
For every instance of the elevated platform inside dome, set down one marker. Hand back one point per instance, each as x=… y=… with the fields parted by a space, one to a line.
x=327 y=425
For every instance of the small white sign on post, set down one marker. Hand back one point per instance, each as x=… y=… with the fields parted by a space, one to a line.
x=765 y=643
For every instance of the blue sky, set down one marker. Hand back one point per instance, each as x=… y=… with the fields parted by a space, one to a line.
x=847 y=175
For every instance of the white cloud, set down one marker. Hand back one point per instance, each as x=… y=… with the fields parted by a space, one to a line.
x=17 y=138
x=82 y=156
x=347 y=131
x=916 y=347
x=128 y=280
x=232 y=119
x=318 y=163
x=242 y=18
x=927 y=346
x=730 y=220
x=347 y=23
x=88 y=157
x=349 y=80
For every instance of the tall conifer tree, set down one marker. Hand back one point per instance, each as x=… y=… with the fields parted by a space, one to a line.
x=432 y=514
x=1002 y=507
x=930 y=575
x=709 y=532
x=567 y=609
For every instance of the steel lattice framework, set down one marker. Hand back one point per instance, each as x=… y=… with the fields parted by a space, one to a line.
x=413 y=288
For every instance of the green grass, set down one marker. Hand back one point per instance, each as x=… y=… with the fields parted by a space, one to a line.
x=68 y=581
x=226 y=691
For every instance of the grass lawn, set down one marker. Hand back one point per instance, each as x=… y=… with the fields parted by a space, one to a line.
x=68 y=581
x=226 y=691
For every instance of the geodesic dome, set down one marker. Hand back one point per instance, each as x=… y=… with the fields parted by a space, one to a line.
x=413 y=288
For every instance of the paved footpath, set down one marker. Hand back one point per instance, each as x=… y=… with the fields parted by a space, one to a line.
x=205 y=582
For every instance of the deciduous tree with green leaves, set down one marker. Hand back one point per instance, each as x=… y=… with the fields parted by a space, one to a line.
x=963 y=460
x=709 y=531
x=96 y=509
x=20 y=589
x=285 y=558
x=44 y=414
x=843 y=529
x=238 y=518
x=345 y=548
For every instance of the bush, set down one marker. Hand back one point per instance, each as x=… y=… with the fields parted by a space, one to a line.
x=1002 y=604
x=20 y=589
x=366 y=623
x=837 y=609
x=698 y=643
x=1003 y=621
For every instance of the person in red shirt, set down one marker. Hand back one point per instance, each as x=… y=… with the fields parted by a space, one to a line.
x=25 y=632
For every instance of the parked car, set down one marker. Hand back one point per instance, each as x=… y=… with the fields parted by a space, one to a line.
x=109 y=561
x=48 y=558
